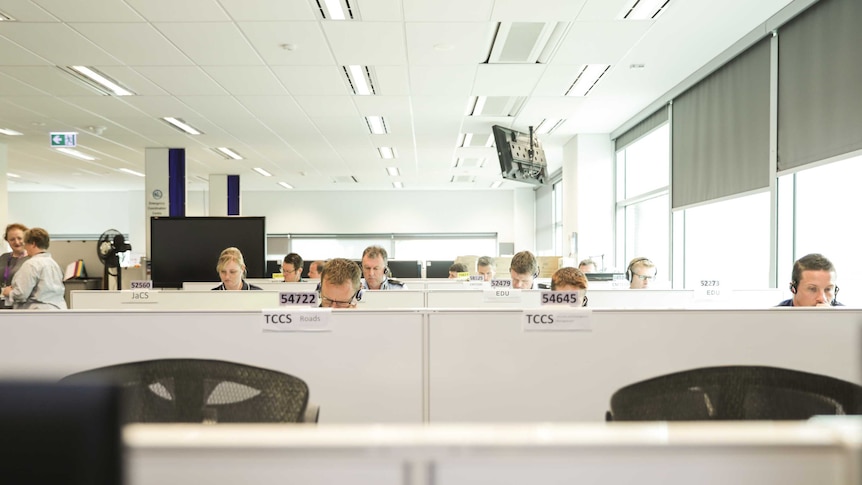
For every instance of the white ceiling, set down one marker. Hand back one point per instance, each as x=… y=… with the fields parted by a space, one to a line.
x=220 y=65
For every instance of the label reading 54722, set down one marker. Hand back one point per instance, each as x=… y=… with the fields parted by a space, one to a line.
x=295 y=298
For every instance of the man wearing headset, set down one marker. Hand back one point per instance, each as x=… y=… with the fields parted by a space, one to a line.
x=640 y=272
x=375 y=270
x=339 y=284
x=813 y=282
x=524 y=270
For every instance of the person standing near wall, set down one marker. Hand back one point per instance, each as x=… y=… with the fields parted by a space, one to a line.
x=11 y=261
x=38 y=284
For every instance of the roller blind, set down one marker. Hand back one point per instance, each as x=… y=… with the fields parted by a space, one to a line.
x=651 y=122
x=721 y=131
x=820 y=83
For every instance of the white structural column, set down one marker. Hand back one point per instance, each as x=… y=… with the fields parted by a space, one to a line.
x=588 y=198
x=524 y=201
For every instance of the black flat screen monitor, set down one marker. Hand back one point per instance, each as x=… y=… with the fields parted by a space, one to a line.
x=405 y=268
x=437 y=269
x=58 y=433
x=520 y=158
x=188 y=248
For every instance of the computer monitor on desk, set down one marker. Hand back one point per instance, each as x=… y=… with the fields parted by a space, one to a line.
x=605 y=276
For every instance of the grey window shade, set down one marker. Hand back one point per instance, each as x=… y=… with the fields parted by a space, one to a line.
x=651 y=122
x=721 y=131
x=820 y=83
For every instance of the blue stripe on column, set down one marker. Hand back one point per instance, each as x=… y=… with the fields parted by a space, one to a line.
x=177 y=182
x=233 y=195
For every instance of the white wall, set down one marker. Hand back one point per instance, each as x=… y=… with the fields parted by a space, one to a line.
x=500 y=211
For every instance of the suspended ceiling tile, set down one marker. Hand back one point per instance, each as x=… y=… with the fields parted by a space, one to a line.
x=182 y=80
x=434 y=43
x=91 y=10
x=57 y=43
x=180 y=11
x=507 y=79
x=136 y=44
x=366 y=43
x=211 y=44
x=268 y=10
x=447 y=10
x=247 y=80
x=313 y=80
x=308 y=45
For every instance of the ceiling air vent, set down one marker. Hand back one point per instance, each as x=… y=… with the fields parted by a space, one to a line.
x=498 y=105
x=526 y=42
x=463 y=179
x=345 y=179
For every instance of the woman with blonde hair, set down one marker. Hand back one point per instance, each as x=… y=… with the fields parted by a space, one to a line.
x=231 y=269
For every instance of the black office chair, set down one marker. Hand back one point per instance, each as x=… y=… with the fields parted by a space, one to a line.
x=199 y=390
x=735 y=393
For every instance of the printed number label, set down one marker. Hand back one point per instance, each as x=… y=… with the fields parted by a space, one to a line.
x=141 y=285
x=286 y=299
x=501 y=283
x=560 y=297
x=709 y=283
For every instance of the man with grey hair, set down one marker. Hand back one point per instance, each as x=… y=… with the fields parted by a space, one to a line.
x=375 y=269
x=485 y=266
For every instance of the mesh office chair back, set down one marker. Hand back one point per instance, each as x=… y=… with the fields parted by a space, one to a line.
x=199 y=390
x=735 y=393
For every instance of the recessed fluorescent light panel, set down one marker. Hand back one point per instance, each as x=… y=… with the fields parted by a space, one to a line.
x=360 y=81
x=393 y=171
x=131 y=172
x=7 y=131
x=262 y=172
x=75 y=153
x=5 y=18
x=13 y=175
x=645 y=9
x=337 y=10
x=386 y=152
x=229 y=153
x=398 y=185
x=182 y=125
x=496 y=184
x=587 y=78
x=285 y=185
x=548 y=125
x=376 y=124
x=103 y=81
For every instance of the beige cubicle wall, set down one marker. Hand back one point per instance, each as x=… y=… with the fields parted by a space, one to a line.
x=484 y=367
x=264 y=284
x=789 y=453
x=367 y=369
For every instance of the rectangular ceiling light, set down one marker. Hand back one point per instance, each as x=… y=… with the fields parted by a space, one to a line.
x=496 y=184
x=376 y=124
x=262 y=172
x=13 y=175
x=398 y=185
x=285 y=185
x=386 y=152
x=229 y=153
x=75 y=153
x=7 y=131
x=645 y=9
x=587 y=78
x=393 y=171
x=526 y=42
x=132 y=172
x=548 y=125
x=103 y=81
x=182 y=125
x=5 y=18
x=359 y=78
x=337 y=9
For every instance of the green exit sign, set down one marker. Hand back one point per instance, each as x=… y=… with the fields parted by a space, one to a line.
x=64 y=139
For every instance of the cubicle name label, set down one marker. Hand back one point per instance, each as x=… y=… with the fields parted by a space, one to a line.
x=494 y=295
x=297 y=320
x=141 y=285
x=139 y=297
x=297 y=298
x=571 y=298
x=476 y=280
x=568 y=319
x=709 y=289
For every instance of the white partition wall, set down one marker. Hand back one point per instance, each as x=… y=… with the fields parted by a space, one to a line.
x=485 y=368
x=367 y=369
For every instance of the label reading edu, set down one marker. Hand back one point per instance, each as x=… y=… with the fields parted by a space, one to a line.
x=297 y=320
x=493 y=295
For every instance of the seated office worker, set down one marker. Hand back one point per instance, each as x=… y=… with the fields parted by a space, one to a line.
x=455 y=269
x=375 y=270
x=314 y=270
x=640 y=272
x=813 y=282
x=231 y=269
x=339 y=284
x=569 y=279
x=587 y=266
x=38 y=284
x=524 y=270
x=291 y=267
x=485 y=266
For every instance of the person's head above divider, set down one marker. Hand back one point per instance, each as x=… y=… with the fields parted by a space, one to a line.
x=375 y=269
x=486 y=267
x=640 y=272
x=570 y=279
x=231 y=269
x=339 y=284
x=812 y=282
x=291 y=267
x=456 y=268
x=524 y=270
x=314 y=269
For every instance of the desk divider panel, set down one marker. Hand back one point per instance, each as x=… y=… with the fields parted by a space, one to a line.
x=264 y=284
x=484 y=368
x=367 y=369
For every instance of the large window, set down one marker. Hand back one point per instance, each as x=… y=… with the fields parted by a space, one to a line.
x=399 y=246
x=643 y=204
x=559 y=248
